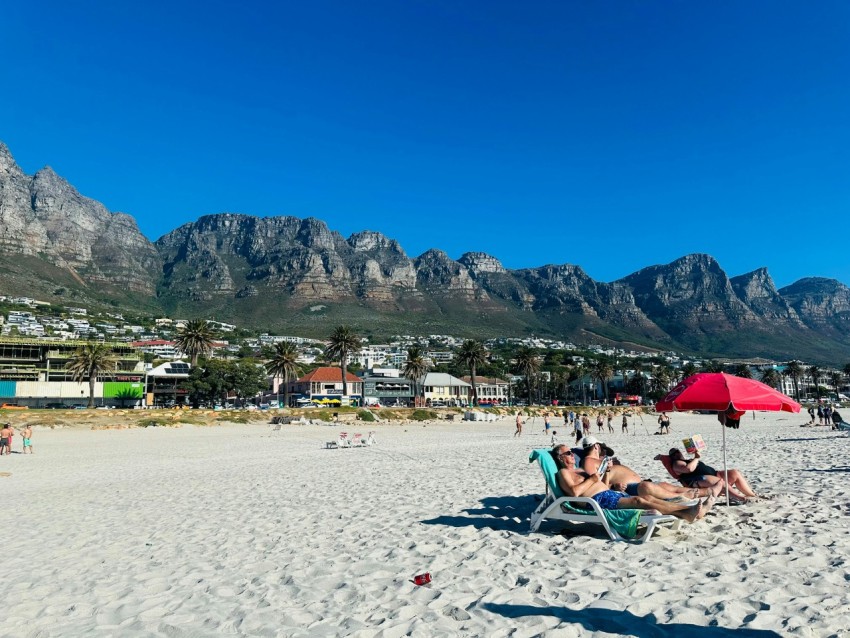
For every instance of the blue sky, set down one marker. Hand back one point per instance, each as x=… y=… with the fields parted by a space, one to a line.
x=612 y=135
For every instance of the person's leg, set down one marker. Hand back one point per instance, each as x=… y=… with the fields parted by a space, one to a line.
x=737 y=482
x=659 y=490
x=714 y=485
x=689 y=513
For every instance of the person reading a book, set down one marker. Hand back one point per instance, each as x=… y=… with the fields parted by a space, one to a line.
x=576 y=482
x=694 y=473
x=622 y=478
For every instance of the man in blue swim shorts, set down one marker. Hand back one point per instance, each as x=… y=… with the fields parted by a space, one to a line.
x=575 y=482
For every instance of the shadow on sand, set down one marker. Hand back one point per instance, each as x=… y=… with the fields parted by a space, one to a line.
x=625 y=623
x=496 y=512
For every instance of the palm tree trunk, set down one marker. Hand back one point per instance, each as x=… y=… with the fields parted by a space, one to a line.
x=92 y=379
x=344 y=383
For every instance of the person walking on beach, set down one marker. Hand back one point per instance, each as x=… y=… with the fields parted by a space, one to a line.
x=585 y=423
x=577 y=425
x=664 y=424
x=546 y=423
x=610 y=418
x=6 y=440
x=600 y=422
x=27 y=436
x=625 y=424
x=518 y=424
x=820 y=415
x=811 y=411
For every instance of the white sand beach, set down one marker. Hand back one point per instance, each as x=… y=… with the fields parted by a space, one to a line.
x=237 y=530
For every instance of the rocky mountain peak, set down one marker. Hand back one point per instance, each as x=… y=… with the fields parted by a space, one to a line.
x=367 y=241
x=479 y=263
x=8 y=166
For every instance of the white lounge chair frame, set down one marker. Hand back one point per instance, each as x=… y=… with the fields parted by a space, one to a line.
x=550 y=509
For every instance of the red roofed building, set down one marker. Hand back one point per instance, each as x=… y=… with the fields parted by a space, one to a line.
x=326 y=383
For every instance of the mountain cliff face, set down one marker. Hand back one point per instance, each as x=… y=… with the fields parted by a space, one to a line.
x=286 y=272
x=45 y=216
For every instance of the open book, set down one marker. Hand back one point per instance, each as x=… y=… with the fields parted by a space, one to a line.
x=694 y=444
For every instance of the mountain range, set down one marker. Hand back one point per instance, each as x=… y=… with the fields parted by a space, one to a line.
x=297 y=275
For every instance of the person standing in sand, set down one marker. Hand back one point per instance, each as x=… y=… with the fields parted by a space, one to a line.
x=576 y=482
x=546 y=423
x=6 y=439
x=27 y=436
x=518 y=424
x=625 y=424
x=577 y=425
x=610 y=419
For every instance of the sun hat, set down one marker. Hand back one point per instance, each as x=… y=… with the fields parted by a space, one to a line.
x=589 y=441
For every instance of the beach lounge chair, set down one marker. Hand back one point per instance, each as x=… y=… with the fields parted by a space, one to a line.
x=357 y=441
x=668 y=465
x=370 y=440
x=620 y=525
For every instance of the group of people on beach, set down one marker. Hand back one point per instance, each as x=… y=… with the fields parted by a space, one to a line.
x=825 y=414
x=8 y=433
x=579 y=423
x=593 y=471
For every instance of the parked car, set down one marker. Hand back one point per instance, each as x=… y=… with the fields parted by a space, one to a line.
x=13 y=406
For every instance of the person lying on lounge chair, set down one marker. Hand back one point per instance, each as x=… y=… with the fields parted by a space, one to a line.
x=575 y=482
x=694 y=473
x=622 y=478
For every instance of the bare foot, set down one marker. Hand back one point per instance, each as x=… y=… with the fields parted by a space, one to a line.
x=707 y=504
x=691 y=514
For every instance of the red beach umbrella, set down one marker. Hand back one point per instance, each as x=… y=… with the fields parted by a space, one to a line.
x=725 y=393
x=720 y=391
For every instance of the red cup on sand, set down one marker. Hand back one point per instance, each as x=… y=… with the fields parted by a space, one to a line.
x=422 y=579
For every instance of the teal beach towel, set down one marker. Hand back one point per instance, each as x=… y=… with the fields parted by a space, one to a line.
x=624 y=522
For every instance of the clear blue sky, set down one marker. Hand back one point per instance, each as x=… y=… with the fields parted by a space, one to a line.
x=612 y=135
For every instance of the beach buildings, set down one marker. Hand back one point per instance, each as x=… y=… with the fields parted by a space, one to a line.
x=324 y=385
x=489 y=389
x=33 y=373
x=386 y=387
x=440 y=388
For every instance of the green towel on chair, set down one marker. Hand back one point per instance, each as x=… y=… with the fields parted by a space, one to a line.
x=624 y=522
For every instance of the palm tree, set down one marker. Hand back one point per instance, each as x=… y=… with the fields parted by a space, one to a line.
x=89 y=362
x=342 y=343
x=836 y=378
x=194 y=339
x=661 y=380
x=528 y=365
x=601 y=370
x=743 y=370
x=794 y=369
x=284 y=364
x=770 y=377
x=711 y=366
x=472 y=355
x=416 y=367
x=688 y=370
x=815 y=373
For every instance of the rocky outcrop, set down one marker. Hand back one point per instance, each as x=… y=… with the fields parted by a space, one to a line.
x=822 y=304
x=45 y=216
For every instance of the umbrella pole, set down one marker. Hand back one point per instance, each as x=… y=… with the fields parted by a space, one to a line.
x=725 y=469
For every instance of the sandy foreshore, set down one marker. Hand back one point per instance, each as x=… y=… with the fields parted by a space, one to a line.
x=238 y=530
